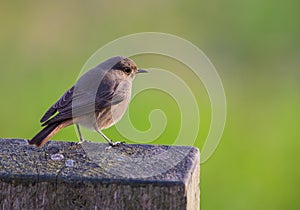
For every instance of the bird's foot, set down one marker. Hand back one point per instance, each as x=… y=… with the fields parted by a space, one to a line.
x=115 y=144
x=82 y=141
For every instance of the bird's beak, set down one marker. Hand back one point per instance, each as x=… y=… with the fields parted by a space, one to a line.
x=142 y=71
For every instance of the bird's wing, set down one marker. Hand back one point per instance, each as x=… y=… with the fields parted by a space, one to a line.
x=82 y=102
x=64 y=100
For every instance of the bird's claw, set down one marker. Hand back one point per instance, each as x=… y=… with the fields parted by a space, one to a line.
x=82 y=141
x=116 y=144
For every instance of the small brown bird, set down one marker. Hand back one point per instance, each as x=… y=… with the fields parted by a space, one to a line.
x=97 y=101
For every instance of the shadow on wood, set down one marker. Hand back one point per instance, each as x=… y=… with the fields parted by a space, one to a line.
x=66 y=175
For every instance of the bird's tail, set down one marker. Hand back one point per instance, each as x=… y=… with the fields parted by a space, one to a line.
x=47 y=132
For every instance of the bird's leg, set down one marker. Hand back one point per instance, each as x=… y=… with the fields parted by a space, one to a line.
x=81 y=140
x=110 y=142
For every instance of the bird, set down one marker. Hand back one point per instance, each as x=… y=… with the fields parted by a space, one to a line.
x=97 y=101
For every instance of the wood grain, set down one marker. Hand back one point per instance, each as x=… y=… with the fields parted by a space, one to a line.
x=66 y=175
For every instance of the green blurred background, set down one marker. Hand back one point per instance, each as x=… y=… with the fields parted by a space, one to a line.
x=254 y=45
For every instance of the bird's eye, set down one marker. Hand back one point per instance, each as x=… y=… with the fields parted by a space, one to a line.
x=127 y=70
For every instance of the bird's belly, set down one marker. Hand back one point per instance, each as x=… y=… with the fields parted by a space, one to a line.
x=87 y=121
x=111 y=115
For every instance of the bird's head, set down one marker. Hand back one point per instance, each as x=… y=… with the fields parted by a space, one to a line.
x=127 y=68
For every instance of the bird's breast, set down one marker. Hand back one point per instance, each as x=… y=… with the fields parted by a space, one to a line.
x=111 y=115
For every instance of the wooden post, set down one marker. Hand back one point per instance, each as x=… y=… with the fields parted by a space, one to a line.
x=66 y=175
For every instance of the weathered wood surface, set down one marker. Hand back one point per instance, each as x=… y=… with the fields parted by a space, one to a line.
x=65 y=175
